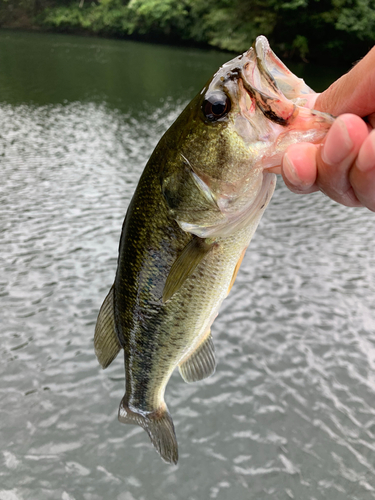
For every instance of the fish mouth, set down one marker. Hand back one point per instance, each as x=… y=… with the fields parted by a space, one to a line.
x=269 y=75
x=270 y=84
x=273 y=108
x=262 y=82
x=267 y=85
x=271 y=87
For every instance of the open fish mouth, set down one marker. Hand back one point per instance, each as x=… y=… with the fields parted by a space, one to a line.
x=272 y=87
x=273 y=73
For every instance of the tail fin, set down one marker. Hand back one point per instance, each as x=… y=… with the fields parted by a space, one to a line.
x=158 y=425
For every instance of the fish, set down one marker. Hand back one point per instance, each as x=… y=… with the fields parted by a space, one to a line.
x=197 y=205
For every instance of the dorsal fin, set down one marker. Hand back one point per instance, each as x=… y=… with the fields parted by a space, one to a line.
x=201 y=363
x=185 y=264
x=106 y=343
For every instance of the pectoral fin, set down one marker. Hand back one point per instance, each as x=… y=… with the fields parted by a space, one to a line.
x=201 y=363
x=106 y=343
x=194 y=252
x=236 y=269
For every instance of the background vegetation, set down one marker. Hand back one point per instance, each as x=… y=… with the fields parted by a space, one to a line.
x=324 y=30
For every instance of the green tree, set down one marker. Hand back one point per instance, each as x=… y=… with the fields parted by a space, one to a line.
x=304 y=29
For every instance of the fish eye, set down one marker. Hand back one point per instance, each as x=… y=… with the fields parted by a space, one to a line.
x=216 y=106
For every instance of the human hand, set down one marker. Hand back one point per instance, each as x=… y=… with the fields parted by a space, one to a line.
x=343 y=167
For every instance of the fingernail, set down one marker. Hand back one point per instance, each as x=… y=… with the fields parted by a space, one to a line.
x=366 y=157
x=290 y=171
x=338 y=144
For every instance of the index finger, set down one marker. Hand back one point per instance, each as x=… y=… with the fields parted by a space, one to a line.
x=353 y=92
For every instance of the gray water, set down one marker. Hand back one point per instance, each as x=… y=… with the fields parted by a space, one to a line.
x=290 y=411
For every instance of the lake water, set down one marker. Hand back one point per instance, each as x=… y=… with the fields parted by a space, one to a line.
x=290 y=411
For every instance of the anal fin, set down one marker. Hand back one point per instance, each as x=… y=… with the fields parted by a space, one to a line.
x=185 y=264
x=201 y=363
x=236 y=269
x=106 y=343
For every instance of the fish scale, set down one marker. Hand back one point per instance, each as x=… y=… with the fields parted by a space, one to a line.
x=193 y=214
x=185 y=317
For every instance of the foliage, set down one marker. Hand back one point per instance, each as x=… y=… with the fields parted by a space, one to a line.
x=304 y=29
x=356 y=17
x=231 y=24
x=329 y=29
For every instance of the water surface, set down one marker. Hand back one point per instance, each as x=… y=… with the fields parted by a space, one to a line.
x=289 y=413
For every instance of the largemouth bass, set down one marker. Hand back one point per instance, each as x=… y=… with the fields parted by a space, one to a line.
x=193 y=214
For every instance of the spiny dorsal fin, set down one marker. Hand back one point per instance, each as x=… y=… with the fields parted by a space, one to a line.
x=201 y=363
x=106 y=343
x=236 y=269
x=158 y=425
x=186 y=263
